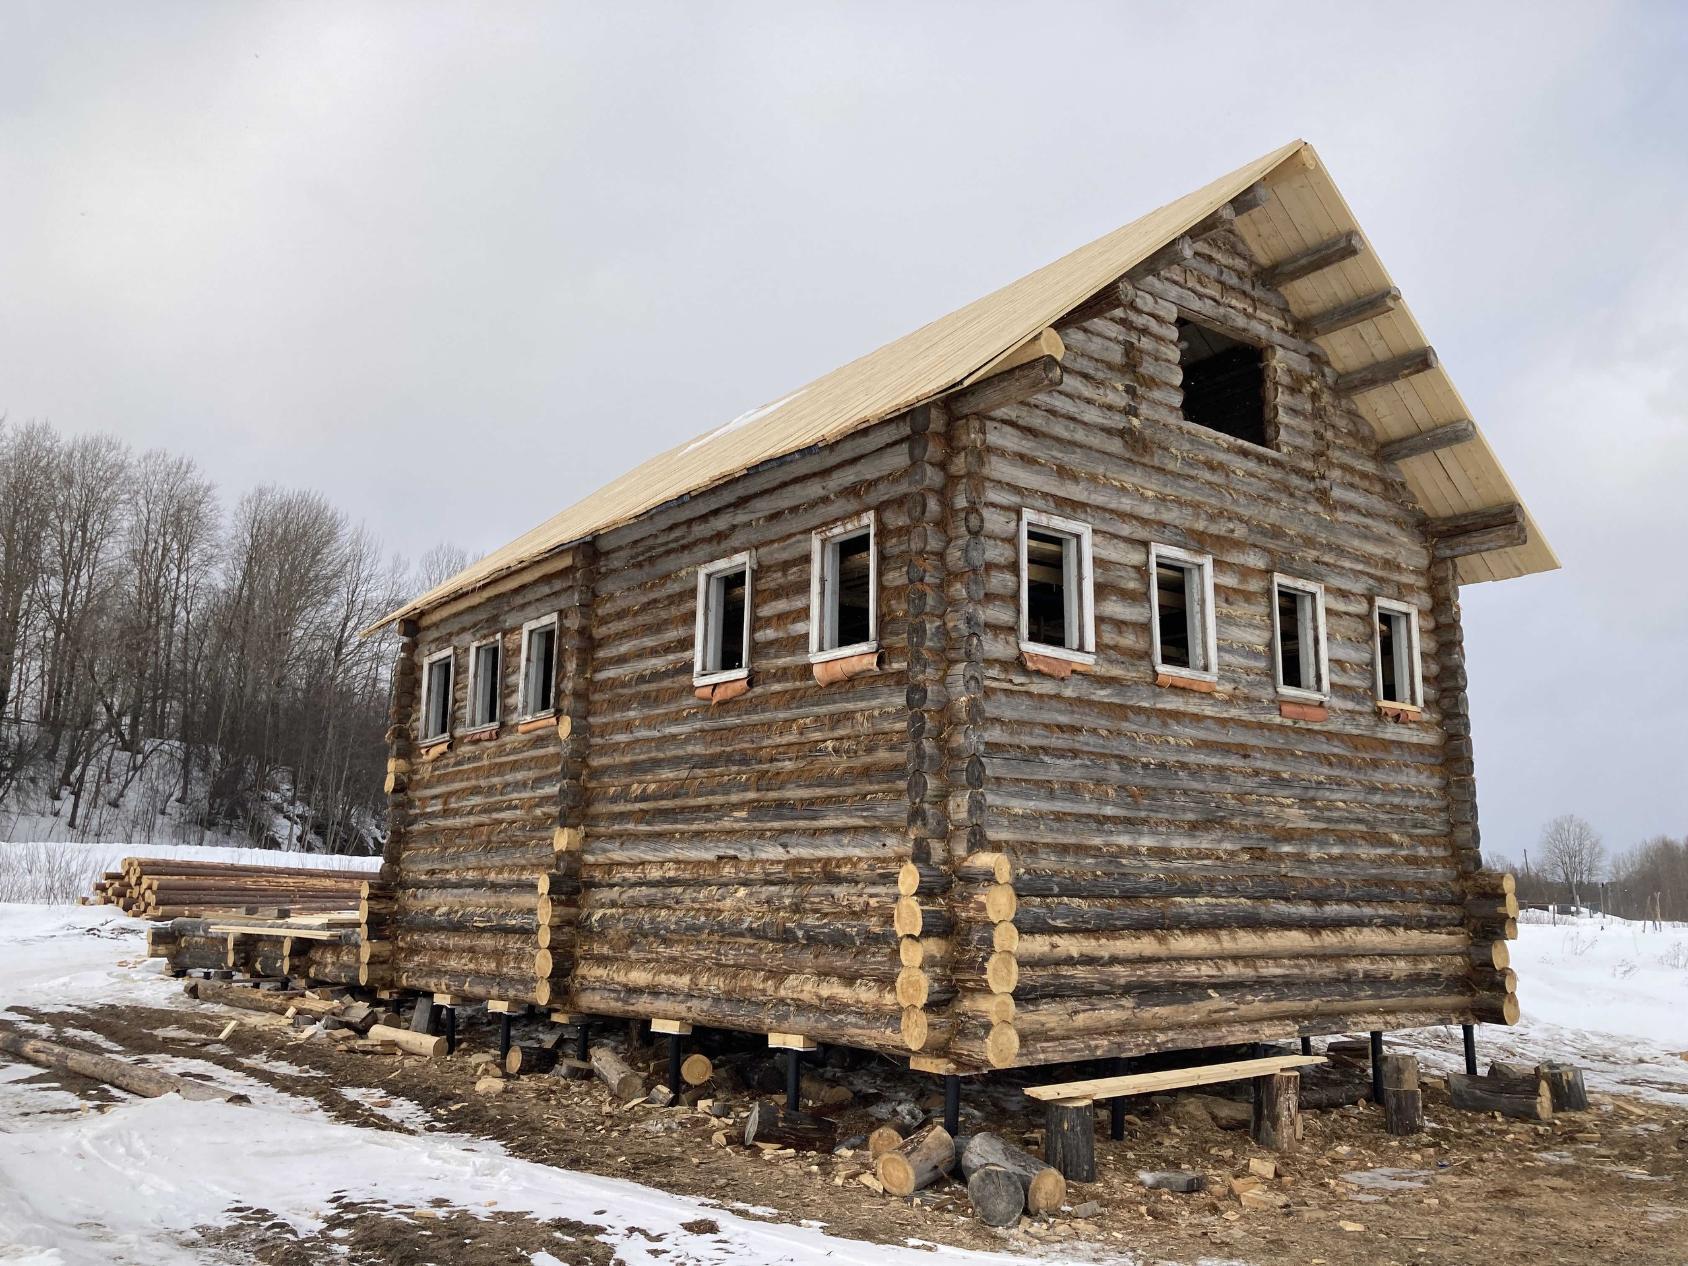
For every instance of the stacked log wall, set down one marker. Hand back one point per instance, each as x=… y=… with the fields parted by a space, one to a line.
x=480 y=908
x=1194 y=867
x=740 y=857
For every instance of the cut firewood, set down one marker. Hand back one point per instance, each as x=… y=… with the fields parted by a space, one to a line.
x=408 y=1042
x=529 y=1059
x=997 y=1196
x=146 y=1082
x=923 y=1158
x=770 y=1123
x=1565 y=1085
x=1046 y=1190
x=696 y=1070
x=882 y=1140
x=1526 y=1098
x=615 y=1073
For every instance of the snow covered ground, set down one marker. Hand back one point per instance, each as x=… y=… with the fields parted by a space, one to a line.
x=126 y=1186
x=129 y=1183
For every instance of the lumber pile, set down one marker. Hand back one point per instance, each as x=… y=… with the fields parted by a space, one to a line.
x=158 y=888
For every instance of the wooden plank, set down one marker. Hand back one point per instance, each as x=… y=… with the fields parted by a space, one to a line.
x=791 y=1042
x=1326 y=254
x=677 y=1028
x=1446 y=436
x=1170 y=1079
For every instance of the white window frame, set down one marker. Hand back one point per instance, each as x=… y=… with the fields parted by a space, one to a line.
x=470 y=725
x=1080 y=589
x=449 y=657
x=822 y=617
x=702 y=676
x=528 y=630
x=1321 y=665
x=1379 y=606
x=1203 y=563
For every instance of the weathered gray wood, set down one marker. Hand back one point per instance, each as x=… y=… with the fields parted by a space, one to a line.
x=1045 y=1188
x=1277 y=1100
x=996 y=1195
x=1009 y=387
x=1326 y=254
x=1524 y=1098
x=772 y=1123
x=1432 y=441
x=1069 y=1138
x=1383 y=373
x=148 y=1082
x=1343 y=315
x=1565 y=1086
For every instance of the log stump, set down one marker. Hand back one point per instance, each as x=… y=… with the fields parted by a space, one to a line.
x=1403 y=1103
x=1565 y=1087
x=1277 y=1099
x=1069 y=1138
x=529 y=1059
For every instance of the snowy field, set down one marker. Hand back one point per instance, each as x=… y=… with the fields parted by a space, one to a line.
x=129 y=1184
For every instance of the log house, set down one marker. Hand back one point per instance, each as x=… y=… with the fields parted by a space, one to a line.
x=1078 y=676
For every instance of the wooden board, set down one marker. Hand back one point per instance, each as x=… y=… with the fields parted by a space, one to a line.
x=1168 y=1079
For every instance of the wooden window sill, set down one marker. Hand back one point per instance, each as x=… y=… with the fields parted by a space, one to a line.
x=433 y=747
x=542 y=721
x=1399 y=713
x=1177 y=681
x=1296 y=710
x=480 y=734
x=722 y=691
x=843 y=667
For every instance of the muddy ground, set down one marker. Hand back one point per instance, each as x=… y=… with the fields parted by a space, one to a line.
x=1609 y=1184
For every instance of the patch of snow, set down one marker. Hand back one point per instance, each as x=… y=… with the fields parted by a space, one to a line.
x=744 y=419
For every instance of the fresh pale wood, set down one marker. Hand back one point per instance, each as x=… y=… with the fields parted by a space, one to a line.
x=623 y=1082
x=409 y=1042
x=1171 y=1078
x=919 y=1161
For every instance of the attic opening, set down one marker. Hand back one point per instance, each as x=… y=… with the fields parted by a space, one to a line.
x=1224 y=382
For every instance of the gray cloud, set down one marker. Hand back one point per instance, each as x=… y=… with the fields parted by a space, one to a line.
x=456 y=265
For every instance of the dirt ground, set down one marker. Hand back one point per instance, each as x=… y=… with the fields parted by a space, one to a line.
x=1609 y=1184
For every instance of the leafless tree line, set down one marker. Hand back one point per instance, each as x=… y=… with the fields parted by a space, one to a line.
x=144 y=626
x=1571 y=865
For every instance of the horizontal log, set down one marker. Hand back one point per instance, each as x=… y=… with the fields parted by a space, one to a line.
x=1004 y=389
x=1094 y=882
x=1326 y=254
x=1432 y=441
x=1048 y=915
x=1383 y=373
x=1344 y=315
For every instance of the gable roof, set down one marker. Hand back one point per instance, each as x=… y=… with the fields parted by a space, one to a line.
x=1304 y=209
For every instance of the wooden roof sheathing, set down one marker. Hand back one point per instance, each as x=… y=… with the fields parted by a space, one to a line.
x=1305 y=209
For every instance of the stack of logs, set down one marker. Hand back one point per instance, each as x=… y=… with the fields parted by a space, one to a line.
x=158 y=888
x=959 y=959
x=328 y=955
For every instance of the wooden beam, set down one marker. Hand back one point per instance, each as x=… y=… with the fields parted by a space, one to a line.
x=1370 y=377
x=1431 y=441
x=1255 y=196
x=1217 y=222
x=1367 y=308
x=1509 y=515
x=1180 y=250
x=1315 y=259
x=1477 y=532
x=1045 y=342
x=1006 y=388
x=1107 y=299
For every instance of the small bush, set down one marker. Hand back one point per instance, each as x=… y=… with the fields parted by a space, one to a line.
x=40 y=874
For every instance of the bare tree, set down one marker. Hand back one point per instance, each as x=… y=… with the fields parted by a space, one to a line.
x=439 y=564
x=1572 y=853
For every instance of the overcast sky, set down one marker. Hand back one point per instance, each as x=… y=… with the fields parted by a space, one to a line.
x=456 y=265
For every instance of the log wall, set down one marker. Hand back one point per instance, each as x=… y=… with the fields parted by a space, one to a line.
x=1190 y=864
x=740 y=857
x=482 y=901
